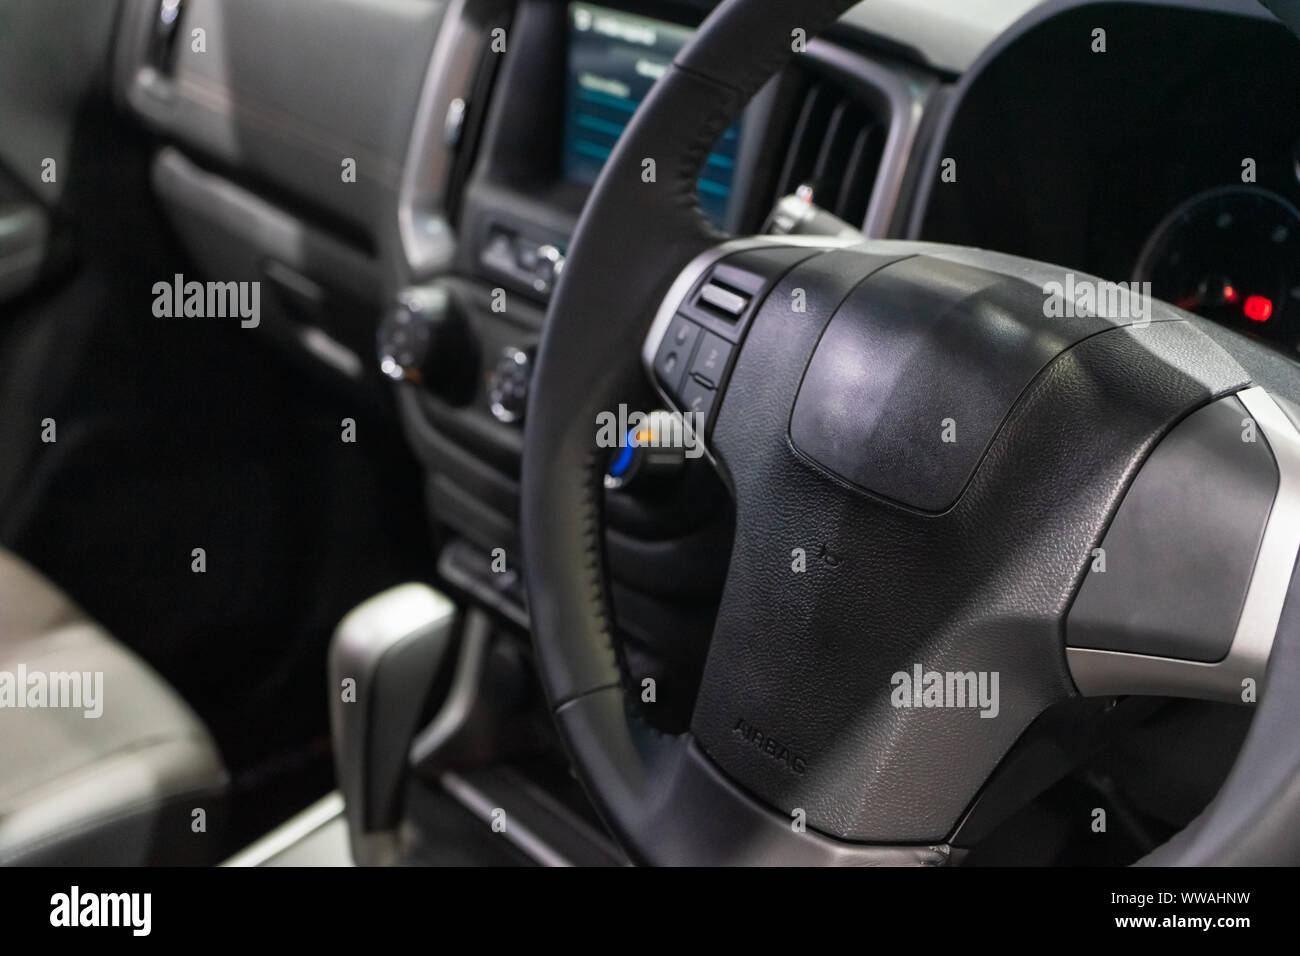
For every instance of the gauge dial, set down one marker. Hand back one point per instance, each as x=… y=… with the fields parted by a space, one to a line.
x=1233 y=256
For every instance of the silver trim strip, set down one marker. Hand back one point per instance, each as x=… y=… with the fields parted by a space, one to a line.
x=293 y=830
x=426 y=238
x=465 y=683
x=1101 y=673
x=428 y=155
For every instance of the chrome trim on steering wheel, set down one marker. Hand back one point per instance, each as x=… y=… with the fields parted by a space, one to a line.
x=1102 y=672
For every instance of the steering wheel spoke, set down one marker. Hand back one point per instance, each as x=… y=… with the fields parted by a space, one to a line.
x=1184 y=594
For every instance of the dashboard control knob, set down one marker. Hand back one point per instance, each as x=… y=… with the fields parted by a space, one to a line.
x=425 y=340
x=550 y=263
x=508 y=384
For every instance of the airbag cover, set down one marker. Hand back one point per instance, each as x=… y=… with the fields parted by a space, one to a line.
x=918 y=369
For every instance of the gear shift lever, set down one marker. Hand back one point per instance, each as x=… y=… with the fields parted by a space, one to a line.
x=382 y=661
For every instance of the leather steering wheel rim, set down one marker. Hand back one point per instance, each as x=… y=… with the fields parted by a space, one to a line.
x=663 y=799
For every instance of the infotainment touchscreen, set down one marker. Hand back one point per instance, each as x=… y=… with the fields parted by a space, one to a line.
x=614 y=59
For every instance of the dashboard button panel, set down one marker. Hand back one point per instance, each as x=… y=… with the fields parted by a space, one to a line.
x=536 y=263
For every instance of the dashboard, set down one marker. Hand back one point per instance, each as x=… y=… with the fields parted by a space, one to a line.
x=1232 y=254
x=560 y=101
x=1173 y=157
x=1164 y=150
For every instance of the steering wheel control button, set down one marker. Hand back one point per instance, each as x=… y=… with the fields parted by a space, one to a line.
x=723 y=299
x=675 y=352
x=711 y=359
x=698 y=397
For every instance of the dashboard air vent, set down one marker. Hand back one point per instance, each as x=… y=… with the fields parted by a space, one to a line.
x=835 y=148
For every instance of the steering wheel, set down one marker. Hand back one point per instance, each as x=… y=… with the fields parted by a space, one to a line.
x=947 y=446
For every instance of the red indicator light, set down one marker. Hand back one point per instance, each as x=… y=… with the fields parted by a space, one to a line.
x=1257 y=308
x=1230 y=294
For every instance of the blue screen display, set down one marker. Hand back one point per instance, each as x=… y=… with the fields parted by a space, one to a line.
x=614 y=59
